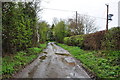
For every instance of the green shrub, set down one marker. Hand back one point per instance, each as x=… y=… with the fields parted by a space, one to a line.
x=112 y=39
x=79 y=40
x=66 y=40
x=74 y=40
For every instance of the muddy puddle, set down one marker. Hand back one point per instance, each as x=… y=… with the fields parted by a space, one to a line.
x=43 y=57
x=69 y=61
x=45 y=52
x=62 y=54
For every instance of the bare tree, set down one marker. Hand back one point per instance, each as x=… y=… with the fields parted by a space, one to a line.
x=55 y=20
x=89 y=24
x=76 y=29
x=36 y=4
x=85 y=25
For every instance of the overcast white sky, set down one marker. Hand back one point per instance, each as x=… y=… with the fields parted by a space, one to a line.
x=95 y=8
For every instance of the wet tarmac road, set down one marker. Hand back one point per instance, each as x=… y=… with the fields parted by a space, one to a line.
x=54 y=62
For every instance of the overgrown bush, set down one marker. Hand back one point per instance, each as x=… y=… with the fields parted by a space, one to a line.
x=112 y=39
x=66 y=40
x=96 y=41
x=74 y=40
x=78 y=41
x=93 y=41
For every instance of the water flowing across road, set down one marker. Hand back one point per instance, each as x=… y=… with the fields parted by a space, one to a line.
x=54 y=62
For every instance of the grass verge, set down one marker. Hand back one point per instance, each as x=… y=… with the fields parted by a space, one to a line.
x=14 y=62
x=105 y=64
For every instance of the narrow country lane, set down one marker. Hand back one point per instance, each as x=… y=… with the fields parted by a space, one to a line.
x=54 y=62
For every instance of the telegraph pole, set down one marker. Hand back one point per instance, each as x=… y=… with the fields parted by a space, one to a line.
x=76 y=18
x=107 y=17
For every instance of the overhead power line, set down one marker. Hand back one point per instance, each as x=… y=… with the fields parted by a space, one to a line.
x=60 y=10
x=97 y=17
x=73 y=11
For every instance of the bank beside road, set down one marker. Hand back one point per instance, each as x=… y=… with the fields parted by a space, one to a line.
x=103 y=64
x=13 y=63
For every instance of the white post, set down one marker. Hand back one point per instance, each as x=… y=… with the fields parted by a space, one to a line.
x=119 y=13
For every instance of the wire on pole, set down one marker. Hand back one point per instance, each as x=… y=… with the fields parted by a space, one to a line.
x=73 y=11
x=107 y=17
